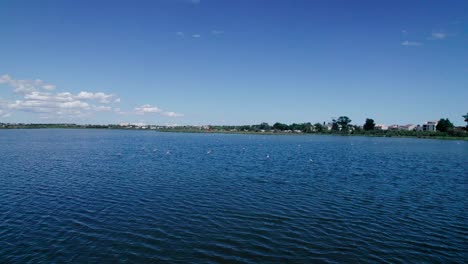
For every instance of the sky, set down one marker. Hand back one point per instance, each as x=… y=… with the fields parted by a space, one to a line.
x=197 y=62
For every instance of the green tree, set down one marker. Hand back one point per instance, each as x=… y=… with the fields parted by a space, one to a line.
x=369 y=125
x=356 y=128
x=244 y=128
x=280 y=126
x=335 y=126
x=295 y=126
x=264 y=126
x=306 y=127
x=318 y=127
x=466 y=119
x=343 y=122
x=444 y=125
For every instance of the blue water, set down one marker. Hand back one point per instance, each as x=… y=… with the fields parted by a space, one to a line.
x=107 y=196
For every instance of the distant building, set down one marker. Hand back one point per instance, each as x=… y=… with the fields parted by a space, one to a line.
x=408 y=127
x=139 y=125
x=381 y=127
x=393 y=127
x=429 y=126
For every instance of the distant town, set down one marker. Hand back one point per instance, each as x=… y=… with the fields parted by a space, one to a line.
x=442 y=128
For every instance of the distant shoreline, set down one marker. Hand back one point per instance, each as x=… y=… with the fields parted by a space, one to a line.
x=316 y=134
x=247 y=132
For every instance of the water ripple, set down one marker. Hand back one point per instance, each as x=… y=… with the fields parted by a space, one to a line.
x=141 y=196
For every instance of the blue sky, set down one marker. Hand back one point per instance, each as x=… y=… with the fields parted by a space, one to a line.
x=232 y=62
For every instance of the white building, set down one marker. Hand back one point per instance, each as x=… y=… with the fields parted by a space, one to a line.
x=430 y=126
x=381 y=127
x=408 y=127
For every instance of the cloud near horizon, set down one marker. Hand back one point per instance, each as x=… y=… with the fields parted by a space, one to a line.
x=149 y=109
x=4 y=114
x=37 y=96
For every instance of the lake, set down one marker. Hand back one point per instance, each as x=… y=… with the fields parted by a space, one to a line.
x=109 y=196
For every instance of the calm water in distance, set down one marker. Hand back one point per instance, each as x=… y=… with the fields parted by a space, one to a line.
x=109 y=196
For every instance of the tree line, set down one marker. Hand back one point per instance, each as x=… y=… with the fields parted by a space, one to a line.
x=342 y=125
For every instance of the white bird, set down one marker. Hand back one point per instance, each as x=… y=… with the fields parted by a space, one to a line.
x=208 y=152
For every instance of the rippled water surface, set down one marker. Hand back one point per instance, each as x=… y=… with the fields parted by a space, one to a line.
x=142 y=196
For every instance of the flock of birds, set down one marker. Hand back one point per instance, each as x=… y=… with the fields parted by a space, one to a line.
x=208 y=152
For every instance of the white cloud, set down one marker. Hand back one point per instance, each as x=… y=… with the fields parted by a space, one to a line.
x=411 y=43
x=101 y=97
x=74 y=105
x=36 y=96
x=41 y=106
x=438 y=35
x=5 y=78
x=32 y=88
x=48 y=87
x=102 y=108
x=4 y=114
x=217 y=32
x=25 y=86
x=41 y=96
x=68 y=97
x=172 y=114
x=182 y=35
x=149 y=109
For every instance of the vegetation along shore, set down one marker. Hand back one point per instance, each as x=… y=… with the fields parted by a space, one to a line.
x=441 y=129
